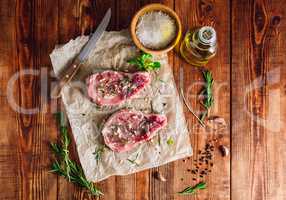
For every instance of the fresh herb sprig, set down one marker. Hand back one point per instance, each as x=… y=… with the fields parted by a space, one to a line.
x=64 y=165
x=144 y=62
x=192 y=190
x=208 y=100
x=98 y=152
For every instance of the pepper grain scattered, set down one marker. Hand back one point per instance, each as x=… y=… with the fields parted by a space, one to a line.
x=204 y=161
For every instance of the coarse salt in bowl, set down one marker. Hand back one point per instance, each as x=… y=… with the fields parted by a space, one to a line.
x=156 y=29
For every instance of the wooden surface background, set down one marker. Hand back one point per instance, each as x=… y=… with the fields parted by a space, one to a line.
x=250 y=93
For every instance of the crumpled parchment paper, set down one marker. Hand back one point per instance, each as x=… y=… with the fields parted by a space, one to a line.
x=112 y=52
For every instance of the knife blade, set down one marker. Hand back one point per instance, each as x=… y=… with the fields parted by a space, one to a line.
x=71 y=70
x=95 y=36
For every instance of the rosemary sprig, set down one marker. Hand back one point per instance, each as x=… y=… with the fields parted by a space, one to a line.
x=62 y=150
x=207 y=93
x=192 y=190
x=64 y=166
x=144 y=62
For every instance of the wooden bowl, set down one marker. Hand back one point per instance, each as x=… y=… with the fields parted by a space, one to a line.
x=155 y=7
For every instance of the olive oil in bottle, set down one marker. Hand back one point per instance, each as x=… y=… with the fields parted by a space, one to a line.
x=199 y=46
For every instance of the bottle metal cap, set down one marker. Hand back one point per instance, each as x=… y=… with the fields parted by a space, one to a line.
x=207 y=35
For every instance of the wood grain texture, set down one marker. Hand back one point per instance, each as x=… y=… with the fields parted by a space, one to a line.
x=25 y=152
x=9 y=160
x=250 y=91
x=258 y=120
x=216 y=14
x=68 y=28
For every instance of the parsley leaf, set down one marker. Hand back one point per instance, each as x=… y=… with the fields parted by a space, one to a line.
x=144 y=62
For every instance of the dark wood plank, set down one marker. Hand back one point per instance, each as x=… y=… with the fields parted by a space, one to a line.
x=45 y=20
x=125 y=9
x=216 y=14
x=9 y=159
x=258 y=91
x=68 y=24
x=25 y=150
x=68 y=28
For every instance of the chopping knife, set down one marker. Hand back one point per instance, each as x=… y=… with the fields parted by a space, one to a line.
x=69 y=73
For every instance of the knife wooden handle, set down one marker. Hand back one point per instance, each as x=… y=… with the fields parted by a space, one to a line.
x=65 y=78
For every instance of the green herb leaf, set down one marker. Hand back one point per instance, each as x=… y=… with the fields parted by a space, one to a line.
x=145 y=56
x=60 y=117
x=192 y=190
x=170 y=141
x=98 y=152
x=133 y=62
x=156 y=65
x=64 y=165
x=144 y=62
x=207 y=92
x=55 y=147
x=203 y=116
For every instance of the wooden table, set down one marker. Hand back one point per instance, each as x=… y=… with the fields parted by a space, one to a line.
x=250 y=94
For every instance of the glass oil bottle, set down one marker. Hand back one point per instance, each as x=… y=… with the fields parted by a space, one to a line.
x=199 y=46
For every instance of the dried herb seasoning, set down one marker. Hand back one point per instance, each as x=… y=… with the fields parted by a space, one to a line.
x=133 y=161
x=98 y=152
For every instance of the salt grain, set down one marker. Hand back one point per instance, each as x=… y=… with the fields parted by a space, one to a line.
x=156 y=30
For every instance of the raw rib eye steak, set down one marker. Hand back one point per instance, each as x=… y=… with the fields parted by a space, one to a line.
x=126 y=128
x=112 y=87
